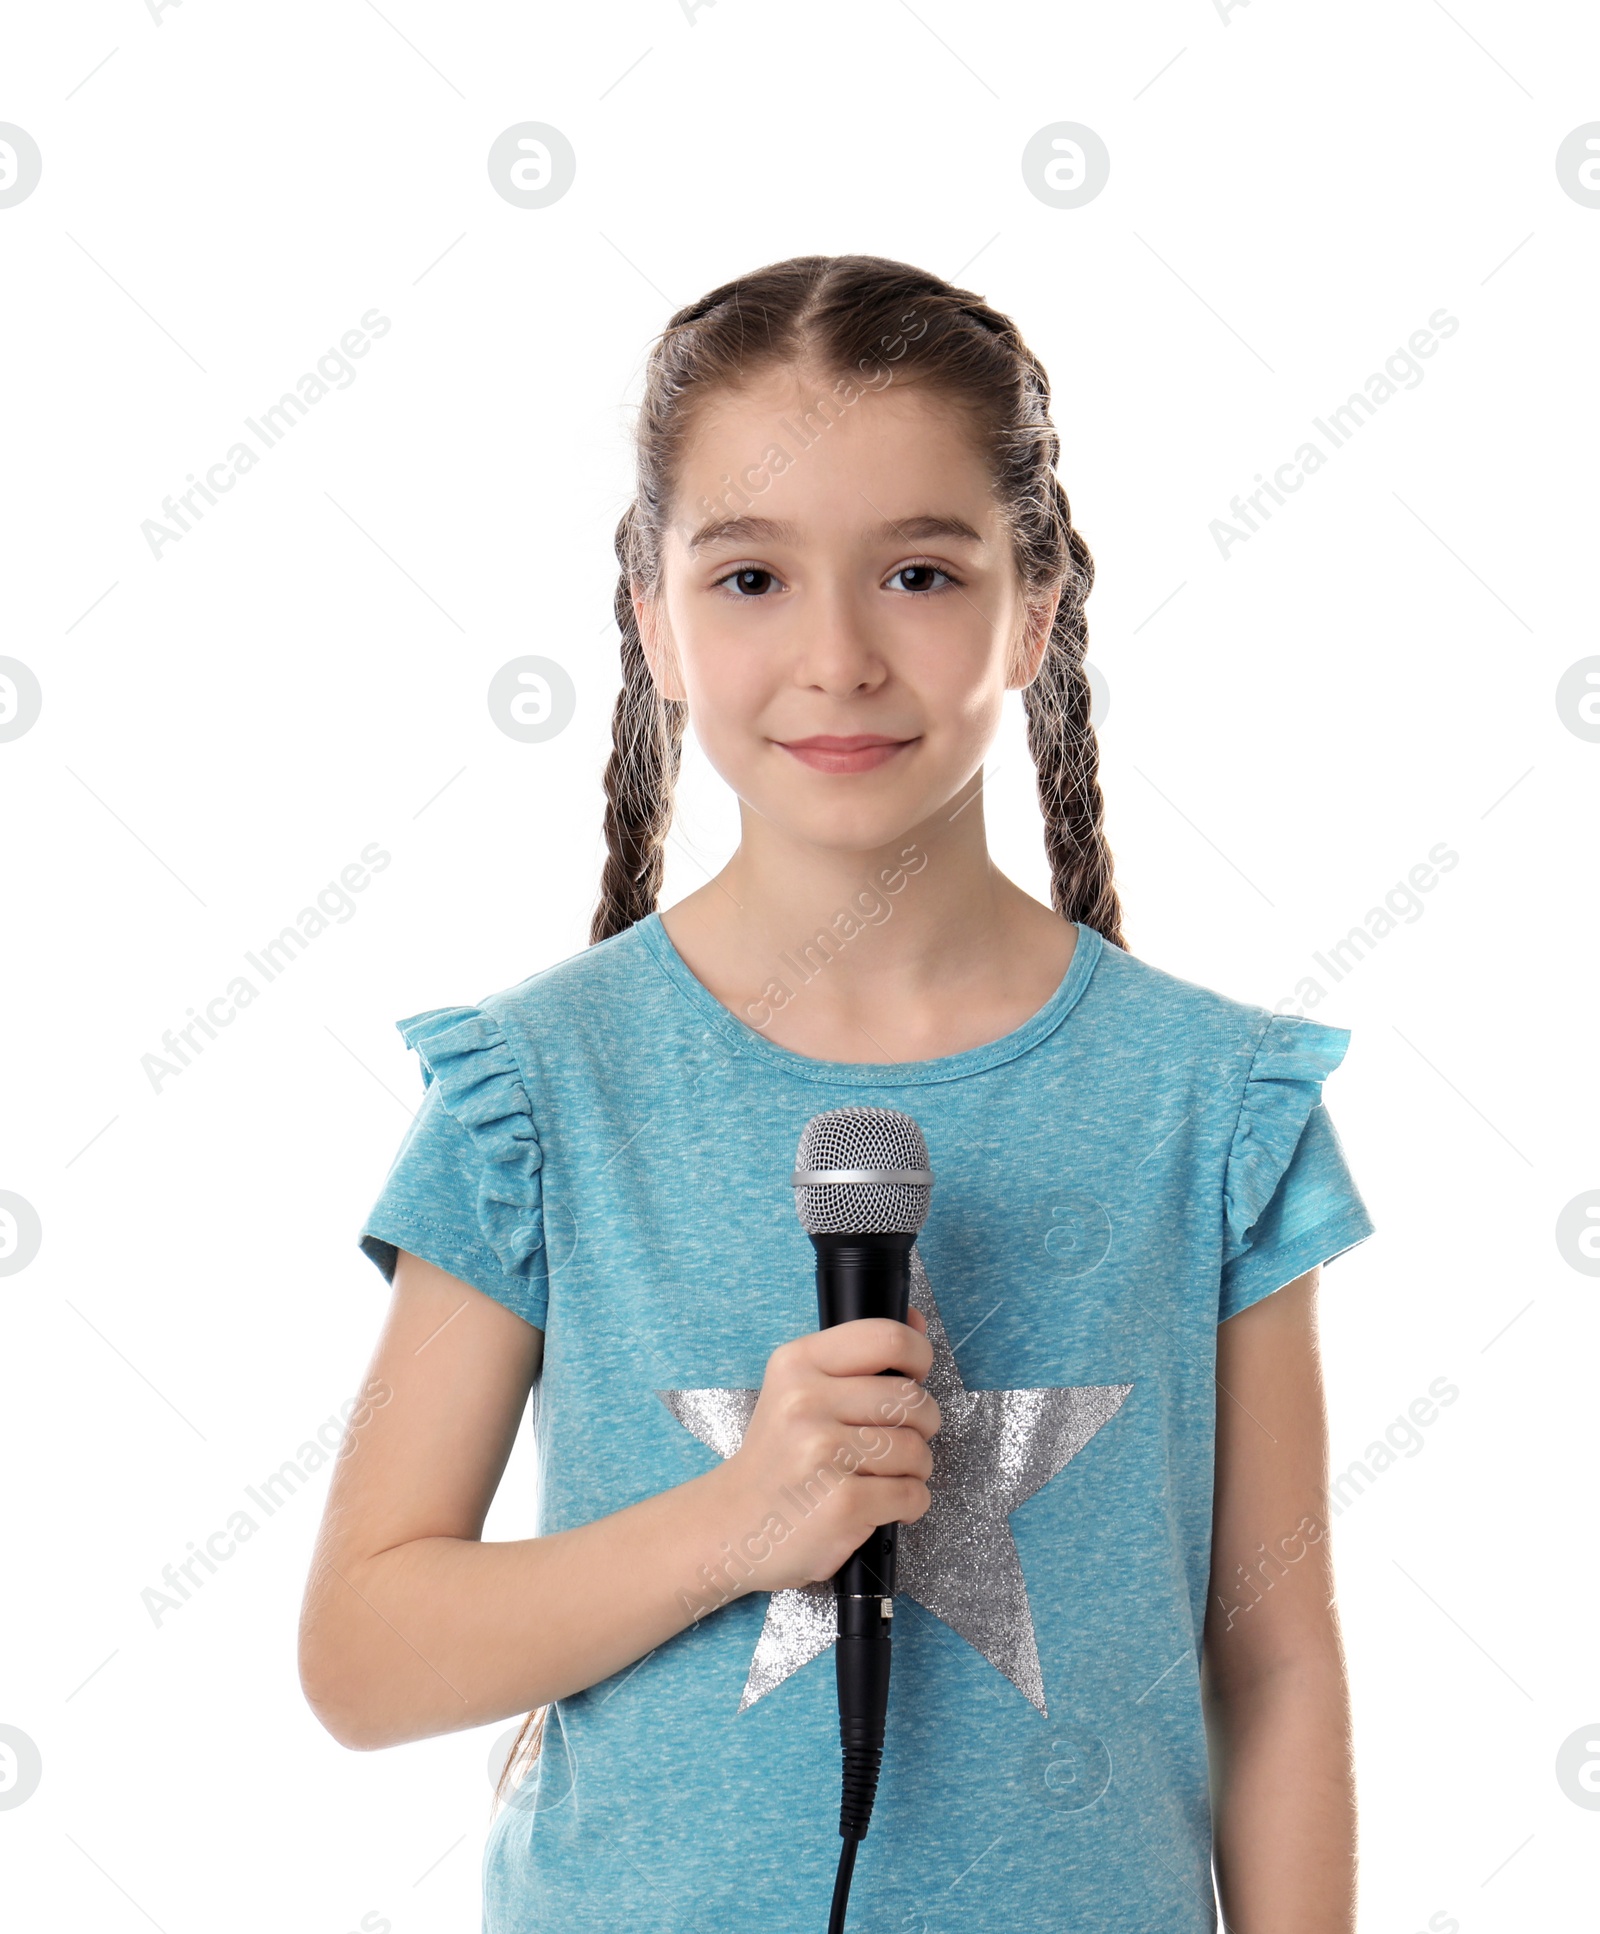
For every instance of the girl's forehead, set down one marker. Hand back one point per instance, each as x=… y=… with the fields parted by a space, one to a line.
x=826 y=449
x=809 y=397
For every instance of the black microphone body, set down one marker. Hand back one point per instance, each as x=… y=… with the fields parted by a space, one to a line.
x=857 y=1276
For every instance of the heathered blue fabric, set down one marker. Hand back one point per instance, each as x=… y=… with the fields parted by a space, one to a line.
x=605 y=1149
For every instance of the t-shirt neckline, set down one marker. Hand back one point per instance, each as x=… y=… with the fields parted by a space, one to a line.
x=877 y=1074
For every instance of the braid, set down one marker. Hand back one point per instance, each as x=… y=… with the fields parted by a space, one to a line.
x=525 y=1749
x=641 y=773
x=1067 y=755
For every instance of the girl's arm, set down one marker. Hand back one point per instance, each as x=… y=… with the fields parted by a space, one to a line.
x=1277 y=1703
x=413 y=1626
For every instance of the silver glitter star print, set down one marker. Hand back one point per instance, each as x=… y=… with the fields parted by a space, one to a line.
x=994 y=1449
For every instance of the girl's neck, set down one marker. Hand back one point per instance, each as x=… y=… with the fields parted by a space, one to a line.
x=920 y=949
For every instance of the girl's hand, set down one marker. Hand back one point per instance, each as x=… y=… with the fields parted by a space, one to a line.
x=832 y=1451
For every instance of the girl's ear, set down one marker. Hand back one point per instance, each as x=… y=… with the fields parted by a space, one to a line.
x=655 y=637
x=1039 y=617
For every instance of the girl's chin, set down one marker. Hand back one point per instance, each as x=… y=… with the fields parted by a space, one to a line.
x=846 y=829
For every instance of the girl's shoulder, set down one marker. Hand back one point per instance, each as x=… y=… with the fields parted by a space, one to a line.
x=609 y=1009
x=1163 y=1010
x=585 y=986
x=580 y=1009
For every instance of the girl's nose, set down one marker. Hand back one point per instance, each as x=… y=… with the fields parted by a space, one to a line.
x=837 y=652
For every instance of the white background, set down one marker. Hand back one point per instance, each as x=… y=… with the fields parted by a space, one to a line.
x=1293 y=192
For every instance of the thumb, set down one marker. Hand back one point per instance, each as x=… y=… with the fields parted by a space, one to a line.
x=916 y=1319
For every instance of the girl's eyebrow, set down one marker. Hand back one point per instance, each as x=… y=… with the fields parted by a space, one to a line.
x=737 y=530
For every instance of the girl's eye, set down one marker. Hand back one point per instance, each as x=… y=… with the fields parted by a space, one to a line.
x=749 y=581
x=921 y=574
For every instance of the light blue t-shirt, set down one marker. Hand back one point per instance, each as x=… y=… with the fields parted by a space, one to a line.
x=606 y=1150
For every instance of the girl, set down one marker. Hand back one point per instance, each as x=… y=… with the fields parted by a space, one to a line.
x=1116 y=1655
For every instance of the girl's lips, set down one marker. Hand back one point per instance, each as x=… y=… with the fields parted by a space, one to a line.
x=858 y=754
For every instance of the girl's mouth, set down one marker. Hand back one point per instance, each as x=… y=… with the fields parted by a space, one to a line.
x=860 y=753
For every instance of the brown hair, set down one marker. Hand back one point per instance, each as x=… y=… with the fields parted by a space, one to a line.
x=845 y=314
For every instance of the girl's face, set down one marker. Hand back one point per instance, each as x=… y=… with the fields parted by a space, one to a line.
x=845 y=618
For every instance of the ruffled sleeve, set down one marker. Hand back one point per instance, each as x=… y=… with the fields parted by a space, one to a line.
x=1289 y=1199
x=466 y=1190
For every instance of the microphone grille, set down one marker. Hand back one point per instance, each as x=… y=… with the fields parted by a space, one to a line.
x=861 y=1171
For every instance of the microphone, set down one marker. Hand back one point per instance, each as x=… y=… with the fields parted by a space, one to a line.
x=861 y=1187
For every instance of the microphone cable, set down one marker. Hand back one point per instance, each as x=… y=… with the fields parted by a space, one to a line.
x=863 y=1653
x=841 y=1886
